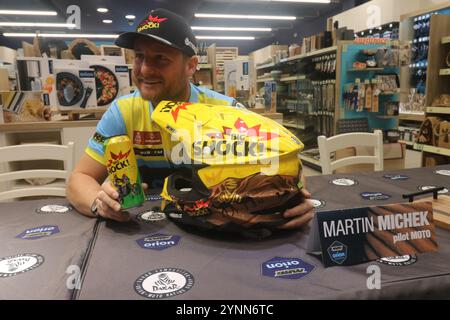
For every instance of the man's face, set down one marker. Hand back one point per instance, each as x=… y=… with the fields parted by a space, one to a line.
x=161 y=72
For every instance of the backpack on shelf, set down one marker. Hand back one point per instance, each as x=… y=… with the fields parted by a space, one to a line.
x=428 y=133
x=443 y=133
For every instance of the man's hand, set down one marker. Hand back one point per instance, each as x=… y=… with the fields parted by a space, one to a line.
x=107 y=205
x=301 y=214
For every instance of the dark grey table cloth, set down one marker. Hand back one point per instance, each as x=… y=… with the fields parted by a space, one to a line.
x=183 y=265
x=35 y=267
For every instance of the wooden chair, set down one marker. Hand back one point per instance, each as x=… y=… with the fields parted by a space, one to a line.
x=28 y=152
x=329 y=145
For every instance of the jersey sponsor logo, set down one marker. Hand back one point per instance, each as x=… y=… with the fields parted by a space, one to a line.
x=99 y=138
x=401 y=261
x=38 y=232
x=149 y=152
x=54 y=208
x=375 y=196
x=286 y=268
x=337 y=252
x=158 y=241
x=344 y=182
x=164 y=283
x=147 y=138
x=21 y=263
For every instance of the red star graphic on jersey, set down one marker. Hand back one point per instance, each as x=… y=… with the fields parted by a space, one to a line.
x=175 y=111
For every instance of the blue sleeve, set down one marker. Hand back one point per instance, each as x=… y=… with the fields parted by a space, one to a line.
x=111 y=124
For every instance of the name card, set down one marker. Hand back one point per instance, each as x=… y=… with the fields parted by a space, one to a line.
x=359 y=235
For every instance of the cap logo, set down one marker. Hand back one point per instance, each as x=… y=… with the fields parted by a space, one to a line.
x=151 y=23
x=190 y=44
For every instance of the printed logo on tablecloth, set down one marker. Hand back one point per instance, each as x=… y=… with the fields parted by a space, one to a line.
x=317 y=204
x=375 y=196
x=158 y=241
x=21 y=263
x=338 y=252
x=154 y=197
x=164 y=283
x=424 y=188
x=396 y=177
x=344 y=182
x=54 y=208
x=400 y=261
x=38 y=232
x=151 y=216
x=286 y=268
x=443 y=172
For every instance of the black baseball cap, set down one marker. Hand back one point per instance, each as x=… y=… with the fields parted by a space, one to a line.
x=165 y=27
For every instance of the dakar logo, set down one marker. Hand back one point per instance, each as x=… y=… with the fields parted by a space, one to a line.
x=118 y=161
x=151 y=23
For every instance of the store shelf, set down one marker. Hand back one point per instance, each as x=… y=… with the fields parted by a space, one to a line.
x=310 y=54
x=444 y=72
x=265 y=79
x=366 y=70
x=445 y=40
x=265 y=66
x=420 y=117
x=439 y=110
x=204 y=66
x=431 y=149
x=293 y=78
x=408 y=143
x=295 y=126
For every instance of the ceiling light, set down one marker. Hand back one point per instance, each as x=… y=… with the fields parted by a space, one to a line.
x=61 y=35
x=102 y=10
x=223 y=38
x=130 y=17
x=29 y=12
x=241 y=16
x=231 y=29
x=107 y=21
x=37 y=24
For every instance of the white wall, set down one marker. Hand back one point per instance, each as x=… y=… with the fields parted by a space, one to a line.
x=379 y=12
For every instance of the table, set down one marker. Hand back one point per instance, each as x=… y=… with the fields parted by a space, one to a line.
x=39 y=264
x=183 y=265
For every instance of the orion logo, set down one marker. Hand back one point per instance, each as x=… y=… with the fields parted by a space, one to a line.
x=286 y=268
x=337 y=252
x=158 y=241
x=38 y=232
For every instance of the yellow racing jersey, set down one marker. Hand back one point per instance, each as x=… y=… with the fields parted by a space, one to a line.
x=131 y=115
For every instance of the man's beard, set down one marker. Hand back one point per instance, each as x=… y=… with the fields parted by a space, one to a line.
x=177 y=94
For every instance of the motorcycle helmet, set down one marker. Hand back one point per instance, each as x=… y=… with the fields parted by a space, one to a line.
x=240 y=170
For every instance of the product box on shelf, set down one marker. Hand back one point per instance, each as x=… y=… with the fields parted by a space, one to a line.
x=112 y=78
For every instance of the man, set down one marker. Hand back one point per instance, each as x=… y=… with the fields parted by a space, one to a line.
x=165 y=60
